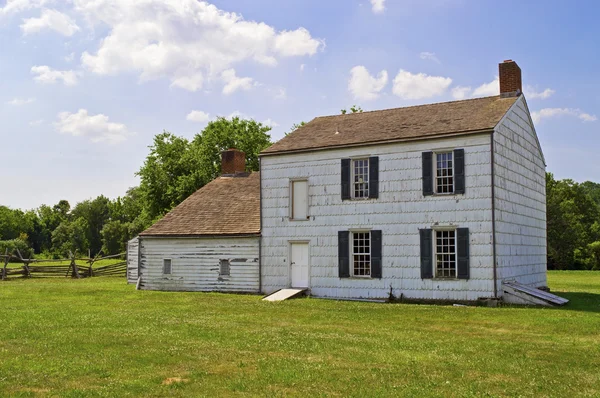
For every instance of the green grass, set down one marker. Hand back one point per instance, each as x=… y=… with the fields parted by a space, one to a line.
x=99 y=337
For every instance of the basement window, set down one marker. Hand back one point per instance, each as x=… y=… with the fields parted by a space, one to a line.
x=167 y=266
x=445 y=254
x=224 y=267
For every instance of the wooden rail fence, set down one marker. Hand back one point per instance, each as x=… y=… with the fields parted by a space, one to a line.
x=40 y=268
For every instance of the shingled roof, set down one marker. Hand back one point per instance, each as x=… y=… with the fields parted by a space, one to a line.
x=225 y=206
x=414 y=122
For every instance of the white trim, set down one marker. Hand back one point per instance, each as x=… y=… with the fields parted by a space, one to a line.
x=290 y=243
x=291 y=201
x=367 y=179
x=435 y=177
x=435 y=254
x=352 y=254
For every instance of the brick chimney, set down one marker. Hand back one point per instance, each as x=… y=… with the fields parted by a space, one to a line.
x=233 y=161
x=510 y=79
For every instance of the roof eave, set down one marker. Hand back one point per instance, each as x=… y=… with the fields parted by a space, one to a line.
x=204 y=236
x=379 y=142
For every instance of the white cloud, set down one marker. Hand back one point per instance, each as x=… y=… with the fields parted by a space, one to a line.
x=20 y=101
x=34 y=123
x=302 y=67
x=187 y=41
x=15 y=6
x=460 y=92
x=234 y=83
x=488 y=89
x=365 y=87
x=378 y=6
x=198 y=116
x=532 y=93
x=50 y=19
x=271 y=123
x=69 y=58
x=429 y=56
x=96 y=127
x=547 y=113
x=417 y=86
x=47 y=75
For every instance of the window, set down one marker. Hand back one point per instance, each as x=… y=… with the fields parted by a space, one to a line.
x=445 y=254
x=360 y=178
x=361 y=254
x=444 y=177
x=167 y=266
x=224 y=267
x=299 y=200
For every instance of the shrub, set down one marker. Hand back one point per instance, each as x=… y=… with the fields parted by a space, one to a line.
x=13 y=244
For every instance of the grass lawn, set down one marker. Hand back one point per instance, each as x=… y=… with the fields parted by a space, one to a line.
x=99 y=337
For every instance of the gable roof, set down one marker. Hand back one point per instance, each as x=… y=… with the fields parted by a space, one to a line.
x=413 y=122
x=224 y=206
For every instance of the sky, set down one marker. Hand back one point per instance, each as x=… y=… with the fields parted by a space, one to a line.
x=86 y=84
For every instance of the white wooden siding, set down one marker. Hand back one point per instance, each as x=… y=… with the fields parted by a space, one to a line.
x=400 y=211
x=132 y=260
x=520 y=192
x=195 y=264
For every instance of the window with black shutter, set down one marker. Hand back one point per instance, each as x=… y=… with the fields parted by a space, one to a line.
x=360 y=178
x=359 y=254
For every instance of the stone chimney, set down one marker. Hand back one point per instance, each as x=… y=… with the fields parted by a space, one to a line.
x=510 y=79
x=233 y=161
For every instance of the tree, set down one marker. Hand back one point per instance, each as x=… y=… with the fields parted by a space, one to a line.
x=71 y=236
x=115 y=235
x=295 y=127
x=176 y=168
x=96 y=213
x=353 y=109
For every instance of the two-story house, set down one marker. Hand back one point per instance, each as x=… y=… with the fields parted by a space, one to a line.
x=443 y=201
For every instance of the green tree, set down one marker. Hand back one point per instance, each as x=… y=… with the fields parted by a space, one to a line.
x=115 y=235
x=353 y=109
x=295 y=127
x=71 y=236
x=176 y=168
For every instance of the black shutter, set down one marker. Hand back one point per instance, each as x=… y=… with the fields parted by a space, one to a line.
x=373 y=177
x=376 y=254
x=344 y=254
x=427 y=173
x=462 y=251
x=426 y=253
x=345 y=179
x=459 y=171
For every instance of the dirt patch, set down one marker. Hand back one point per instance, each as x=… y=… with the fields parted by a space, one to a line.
x=173 y=380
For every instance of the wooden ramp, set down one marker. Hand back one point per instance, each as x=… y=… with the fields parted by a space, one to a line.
x=518 y=293
x=284 y=294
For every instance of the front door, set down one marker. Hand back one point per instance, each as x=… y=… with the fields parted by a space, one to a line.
x=299 y=264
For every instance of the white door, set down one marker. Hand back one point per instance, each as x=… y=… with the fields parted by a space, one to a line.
x=299 y=264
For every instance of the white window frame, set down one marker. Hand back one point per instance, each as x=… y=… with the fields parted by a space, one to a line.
x=291 y=202
x=352 y=252
x=170 y=266
x=353 y=175
x=435 y=170
x=449 y=253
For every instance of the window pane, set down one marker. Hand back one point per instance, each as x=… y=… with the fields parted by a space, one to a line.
x=445 y=254
x=360 y=179
x=361 y=249
x=444 y=173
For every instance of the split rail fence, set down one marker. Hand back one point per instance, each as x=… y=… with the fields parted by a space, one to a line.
x=76 y=268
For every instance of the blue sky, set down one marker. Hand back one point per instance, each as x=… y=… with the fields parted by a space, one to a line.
x=85 y=85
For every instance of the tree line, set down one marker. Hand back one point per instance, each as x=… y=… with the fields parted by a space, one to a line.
x=174 y=168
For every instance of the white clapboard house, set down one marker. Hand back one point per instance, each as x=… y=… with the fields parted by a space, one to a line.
x=444 y=201
x=210 y=241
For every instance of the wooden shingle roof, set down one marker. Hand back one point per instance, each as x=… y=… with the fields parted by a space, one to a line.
x=414 y=122
x=225 y=206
